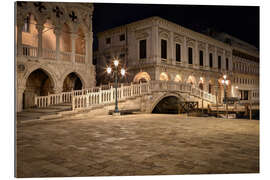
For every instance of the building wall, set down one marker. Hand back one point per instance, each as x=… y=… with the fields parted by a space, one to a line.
x=154 y=30
x=57 y=44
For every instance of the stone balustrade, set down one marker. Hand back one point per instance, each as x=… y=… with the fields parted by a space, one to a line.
x=31 y=51
x=79 y=58
x=133 y=90
x=66 y=56
x=48 y=53
x=87 y=98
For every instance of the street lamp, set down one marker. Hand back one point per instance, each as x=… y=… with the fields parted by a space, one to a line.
x=225 y=83
x=114 y=71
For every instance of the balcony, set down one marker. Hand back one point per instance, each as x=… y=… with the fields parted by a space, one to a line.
x=49 y=54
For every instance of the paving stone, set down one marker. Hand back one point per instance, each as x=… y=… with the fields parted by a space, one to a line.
x=137 y=145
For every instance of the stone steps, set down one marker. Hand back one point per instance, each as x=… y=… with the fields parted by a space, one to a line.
x=48 y=113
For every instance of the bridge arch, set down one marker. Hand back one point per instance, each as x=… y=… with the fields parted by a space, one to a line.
x=173 y=97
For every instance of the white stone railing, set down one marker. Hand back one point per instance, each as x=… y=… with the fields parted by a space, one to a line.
x=124 y=92
x=48 y=53
x=29 y=51
x=86 y=98
x=66 y=56
x=64 y=97
x=182 y=87
x=80 y=58
x=108 y=95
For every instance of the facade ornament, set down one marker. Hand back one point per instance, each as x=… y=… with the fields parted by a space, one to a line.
x=40 y=6
x=57 y=11
x=178 y=38
x=73 y=17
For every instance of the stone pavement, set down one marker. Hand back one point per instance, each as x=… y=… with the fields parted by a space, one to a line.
x=151 y=144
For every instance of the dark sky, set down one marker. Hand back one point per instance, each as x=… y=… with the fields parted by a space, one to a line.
x=239 y=21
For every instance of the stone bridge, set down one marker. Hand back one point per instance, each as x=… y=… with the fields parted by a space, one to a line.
x=143 y=97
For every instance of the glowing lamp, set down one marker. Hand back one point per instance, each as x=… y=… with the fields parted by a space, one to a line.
x=109 y=70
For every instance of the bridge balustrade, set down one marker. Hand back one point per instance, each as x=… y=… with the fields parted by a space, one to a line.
x=87 y=98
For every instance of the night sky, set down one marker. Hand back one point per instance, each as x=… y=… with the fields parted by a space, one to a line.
x=239 y=21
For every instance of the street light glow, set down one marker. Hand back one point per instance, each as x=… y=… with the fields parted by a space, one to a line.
x=115 y=62
x=224 y=76
x=223 y=81
x=123 y=72
x=109 y=70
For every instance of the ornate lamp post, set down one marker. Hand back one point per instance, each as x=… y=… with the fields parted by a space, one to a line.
x=115 y=72
x=225 y=83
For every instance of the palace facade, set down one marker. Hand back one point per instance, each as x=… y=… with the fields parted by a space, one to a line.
x=157 y=49
x=53 y=49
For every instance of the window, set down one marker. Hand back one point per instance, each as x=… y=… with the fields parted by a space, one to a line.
x=142 y=49
x=163 y=49
x=108 y=40
x=122 y=37
x=227 y=64
x=122 y=55
x=94 y=61
x=211 y=60
x=26 y=26
x=219 y=62
x=178 y=52
x=201 y=58
x=210 y=88
x=190 y=56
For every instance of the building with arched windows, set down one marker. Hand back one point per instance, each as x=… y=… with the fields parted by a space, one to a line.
x=157 y=49
x=53 y=49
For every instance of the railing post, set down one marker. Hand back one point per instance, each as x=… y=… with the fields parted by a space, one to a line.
x=49 y=99
x=131 y=89
x=111 y=94
x=36 y=100
x=100 y=95
x=121 y=93
x=140 y=91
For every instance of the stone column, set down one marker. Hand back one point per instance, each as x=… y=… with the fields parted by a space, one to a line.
x=40 y=31
x=196 y=57
x=206 y=60
x=19 y=39
x=73 y=46
x=89 y=48
x=184 y=52
x=230 y=62
x=223 y=61
x=215 y=59
x=57 y=33
x=19 y=99
x=155 y=43
x=157 y=74
x=171 y=49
